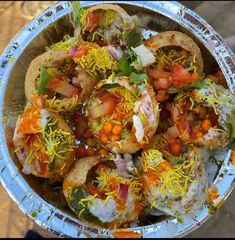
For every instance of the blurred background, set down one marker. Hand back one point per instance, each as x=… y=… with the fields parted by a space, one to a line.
x=15 y=14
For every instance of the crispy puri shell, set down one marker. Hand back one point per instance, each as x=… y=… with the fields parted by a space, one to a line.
x=129 y=145
x=175 y=38
x=124 y=146
x=34 y=70
x=107 y=6
x=59 y=163
x=69 y=156
x=214 y=143
x=86 y=81
x=78 y=173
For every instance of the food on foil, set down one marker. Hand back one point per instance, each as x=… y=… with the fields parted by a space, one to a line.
x=108 y=24
x=203 y=116
x=121 y=115
x=56 y=74
x=44 y=143
x=178 y=63
x=174 y=177
x=117 y=120
x=98 y=194
x=173 y=187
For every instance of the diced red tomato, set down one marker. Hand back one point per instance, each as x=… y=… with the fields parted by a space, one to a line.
x=195 y=76
x=62 y=87
x=39 y=101
x=180 y=76
x=162 y=95
x=158 y=73
x=92 y=21
x=104 y=95
x=92 y=189
x=161 y=83
x=80 y=52
x=103 y=109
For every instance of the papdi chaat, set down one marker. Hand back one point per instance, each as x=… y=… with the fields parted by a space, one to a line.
x=98 y=194
x=122 y=115
x=44 y=143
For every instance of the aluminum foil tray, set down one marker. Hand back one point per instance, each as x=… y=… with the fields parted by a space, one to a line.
x=51 y=212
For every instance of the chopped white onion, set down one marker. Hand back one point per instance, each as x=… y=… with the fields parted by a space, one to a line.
x=45 y=116
x=75 y=82
x=114 y=52
x=37 y=165
x=127 y=156
x=145 y=55
x=139 y=129
x=26 y=169
x=107 y=35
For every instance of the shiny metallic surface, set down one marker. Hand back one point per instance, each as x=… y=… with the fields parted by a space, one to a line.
x=49 y=27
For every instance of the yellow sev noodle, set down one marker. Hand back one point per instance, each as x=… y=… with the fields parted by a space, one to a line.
x=175 y=180
x=104 y=181
x=98 y=60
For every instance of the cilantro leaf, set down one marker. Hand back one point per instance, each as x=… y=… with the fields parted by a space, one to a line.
x=133 y=38
x=124 y=66
x=44 y=78
x=138 y=78
x=110 y=85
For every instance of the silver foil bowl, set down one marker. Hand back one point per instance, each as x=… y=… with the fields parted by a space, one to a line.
x=31 y=194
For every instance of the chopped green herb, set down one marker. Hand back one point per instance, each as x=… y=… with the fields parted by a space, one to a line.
x=44 y=78
x=195 y=85
x=232 y=140
x=110 y=85
x=138 y=78
x=76 y=196
x=136 y=64
x=175 y=160
x=124 y=66
x=133 y=38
